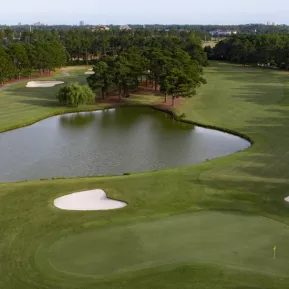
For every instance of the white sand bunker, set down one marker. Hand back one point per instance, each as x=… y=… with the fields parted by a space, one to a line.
x=43 y=83
x=287 y=199
x=94 y=200
x=89 y=72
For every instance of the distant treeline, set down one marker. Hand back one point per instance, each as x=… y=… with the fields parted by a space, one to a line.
x=175 y=29
x=171 y=60
x=265 y=50
x=203 y=29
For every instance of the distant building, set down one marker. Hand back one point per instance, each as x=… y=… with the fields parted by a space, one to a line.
x=39 y=24
x=99 y=28
x=81 y=23
x=222 y=32
x=125 y=27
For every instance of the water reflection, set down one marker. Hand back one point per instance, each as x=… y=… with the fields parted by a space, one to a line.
x=109 y=142
x=77 y=120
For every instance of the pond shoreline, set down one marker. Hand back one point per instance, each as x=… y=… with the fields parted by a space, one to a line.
x=225 y=130
x=123 y=104
x=209 y=152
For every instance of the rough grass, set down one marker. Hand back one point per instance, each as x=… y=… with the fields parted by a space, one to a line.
x=216 y=250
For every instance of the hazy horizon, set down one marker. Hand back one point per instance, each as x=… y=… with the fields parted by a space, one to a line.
x=154 y=12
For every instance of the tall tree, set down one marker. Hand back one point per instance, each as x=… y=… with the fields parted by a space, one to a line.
x=19 y=57
x=121 y=75
x=102 y=77
x=7 y=67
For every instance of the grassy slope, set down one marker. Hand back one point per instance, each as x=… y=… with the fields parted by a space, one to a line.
x=21 y=105
x=247 y=100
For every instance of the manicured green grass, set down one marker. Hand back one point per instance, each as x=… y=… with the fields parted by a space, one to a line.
x=211 y=226
x=21 y=105
x=241 y=241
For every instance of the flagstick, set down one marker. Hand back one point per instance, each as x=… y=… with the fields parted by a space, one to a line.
x=274 y=254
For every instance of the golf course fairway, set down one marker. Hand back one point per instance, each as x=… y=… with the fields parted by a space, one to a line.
x=208 y=226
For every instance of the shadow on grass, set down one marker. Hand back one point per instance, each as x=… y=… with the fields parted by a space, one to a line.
x=43 y=103
x=267 y=90
x=262 y=94
x=249 y=196
x=260 y=86
x=48 y=93
x=269 y=157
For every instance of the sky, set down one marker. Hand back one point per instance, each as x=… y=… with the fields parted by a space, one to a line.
x=144 y=12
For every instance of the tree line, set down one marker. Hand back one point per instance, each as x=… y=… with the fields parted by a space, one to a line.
x=171 y=61
x=264 y=50
x=171 y=64
x=253 y=28
x=19 y=59
x=84 y=46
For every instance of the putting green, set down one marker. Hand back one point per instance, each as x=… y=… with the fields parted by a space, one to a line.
x=234 y=240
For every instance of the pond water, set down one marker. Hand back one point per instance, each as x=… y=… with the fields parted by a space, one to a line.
x=109 y=142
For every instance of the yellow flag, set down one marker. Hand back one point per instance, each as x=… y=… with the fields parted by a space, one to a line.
x=275 y=248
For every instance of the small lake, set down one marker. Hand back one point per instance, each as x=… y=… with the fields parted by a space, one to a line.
x=109 y=142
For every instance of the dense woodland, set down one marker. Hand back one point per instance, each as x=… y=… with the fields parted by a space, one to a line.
x=170 y=61
x=19 y=58
x=270 y=51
